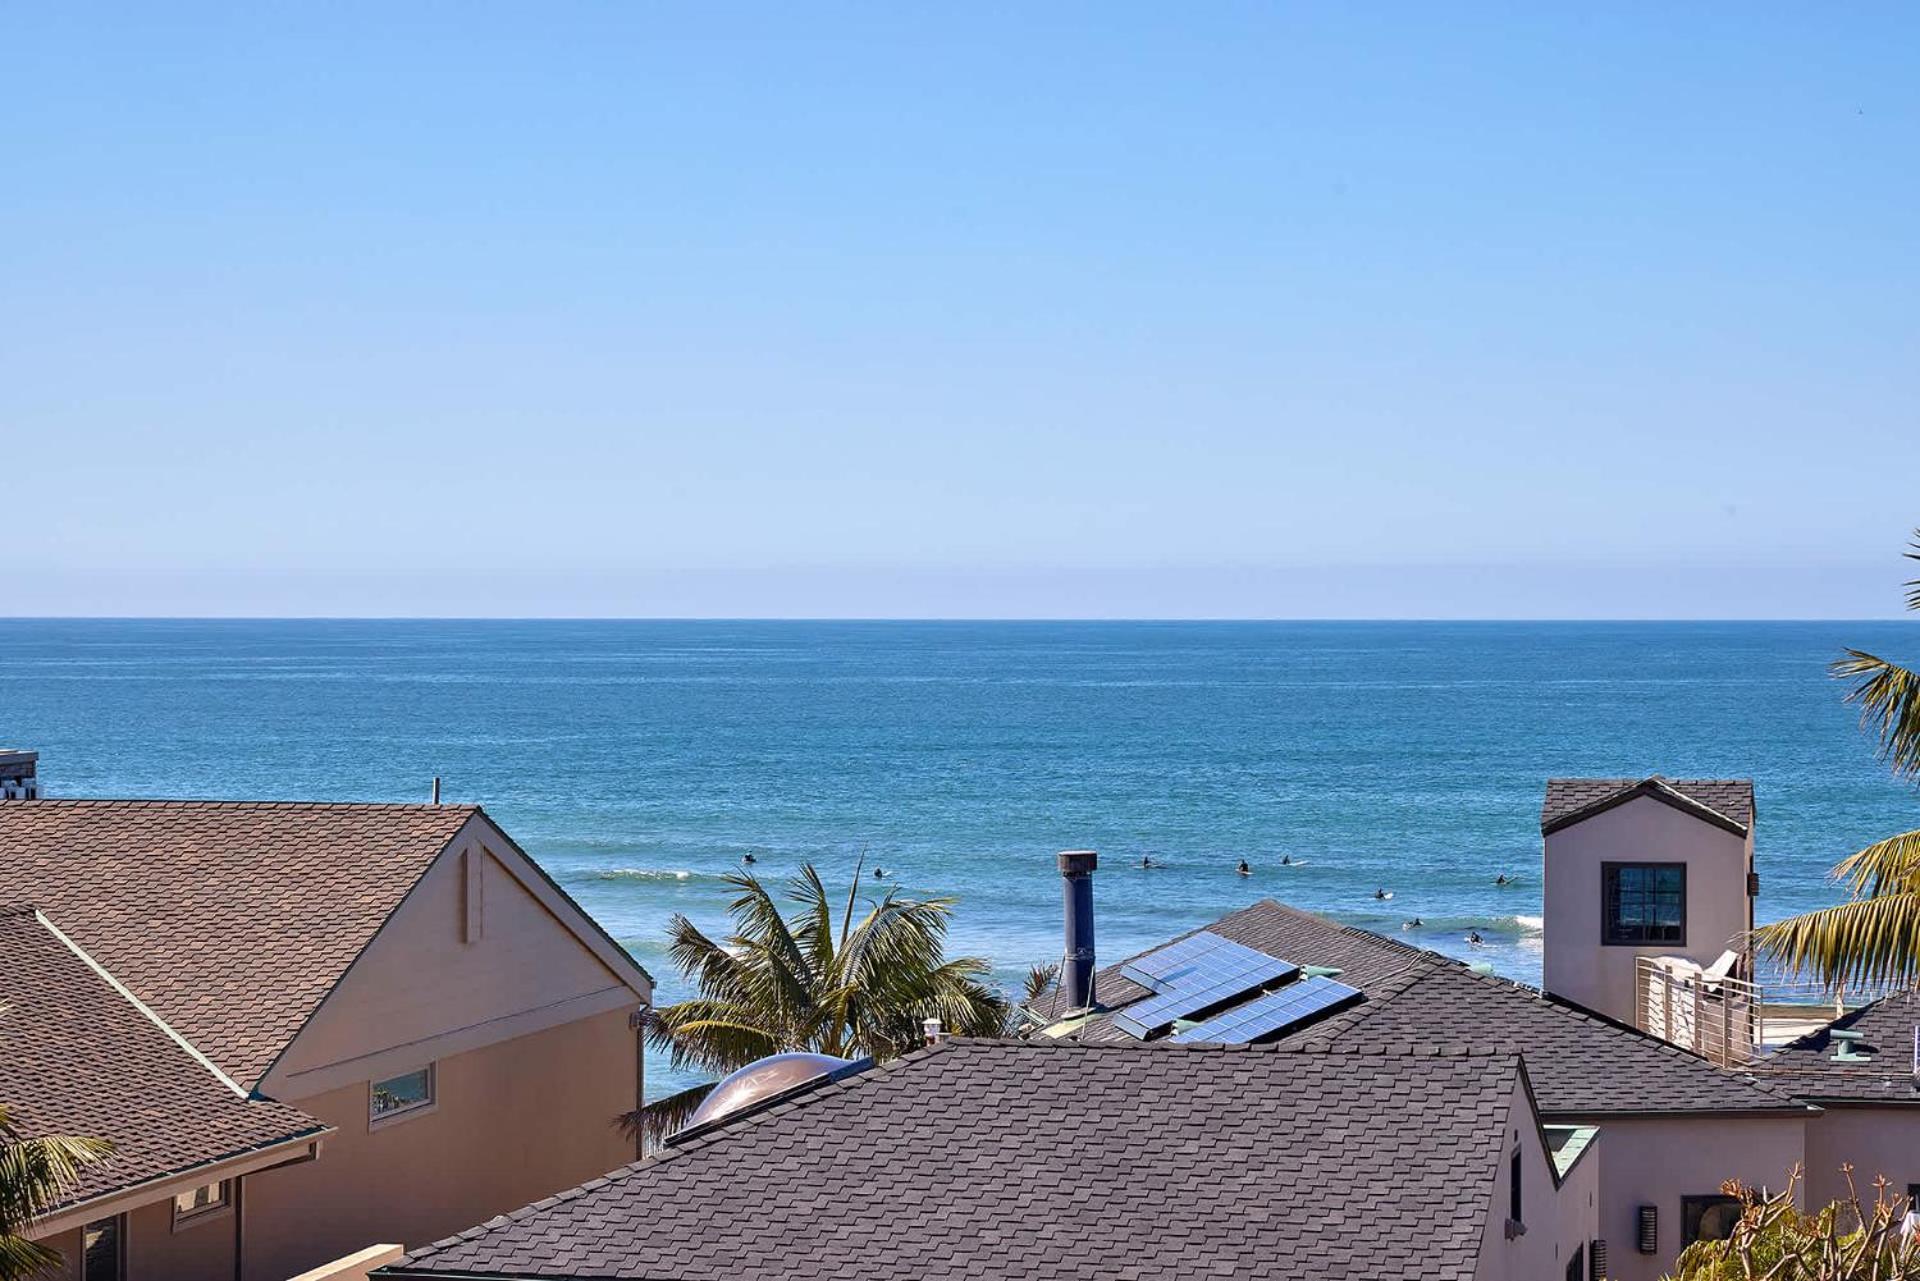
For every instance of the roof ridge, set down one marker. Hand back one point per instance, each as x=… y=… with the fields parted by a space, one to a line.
x=126 y=994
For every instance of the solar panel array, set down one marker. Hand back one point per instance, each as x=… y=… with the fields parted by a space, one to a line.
x=1274 y=1012
x=1192 y=975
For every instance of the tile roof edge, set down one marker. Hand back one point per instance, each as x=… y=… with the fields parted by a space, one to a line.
x=146 y=1010
x=316 y=1131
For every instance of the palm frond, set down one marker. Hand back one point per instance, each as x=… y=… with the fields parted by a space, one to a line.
x=1913 y=585
x=1040 y=980
x=1869 y=940
x=1889 y=699
x=654 y=1122
x=1884 y=867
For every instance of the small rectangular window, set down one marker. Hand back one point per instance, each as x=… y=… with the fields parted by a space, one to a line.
x=206 y=1197
x=100 y=1253
x=1643 y=903
x=399 y=1094
x=1513 y=1189
x=1707 y=1218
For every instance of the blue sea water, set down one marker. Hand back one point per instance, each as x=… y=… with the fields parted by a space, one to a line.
x=638 y=761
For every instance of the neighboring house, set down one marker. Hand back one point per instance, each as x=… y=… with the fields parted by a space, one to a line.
x=1029 y=1161
x=399 y=986
x=1672 y=1125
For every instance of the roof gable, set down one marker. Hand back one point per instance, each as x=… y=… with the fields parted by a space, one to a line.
x=995 y=1160
x=230 y=919
x=1725 y=803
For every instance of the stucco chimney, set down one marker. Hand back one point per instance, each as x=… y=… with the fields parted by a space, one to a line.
x=19 y=779
x=1076 y=964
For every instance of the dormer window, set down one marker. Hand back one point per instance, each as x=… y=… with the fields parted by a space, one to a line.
x=1643 y=903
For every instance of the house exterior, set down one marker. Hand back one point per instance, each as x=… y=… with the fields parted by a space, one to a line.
x=1050 y=1161
x=403 y=1024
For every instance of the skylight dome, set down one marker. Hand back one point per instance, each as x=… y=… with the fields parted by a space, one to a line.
x=762 y=1079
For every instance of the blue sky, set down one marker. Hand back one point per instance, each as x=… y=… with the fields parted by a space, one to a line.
x=1138 y=310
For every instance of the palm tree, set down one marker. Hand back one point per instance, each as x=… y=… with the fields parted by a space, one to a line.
x=776 y=984
x=34 y=1175
x=1873 y=937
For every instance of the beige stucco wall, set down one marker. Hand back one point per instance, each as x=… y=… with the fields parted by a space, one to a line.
x=1658 y=1160
x=513 y=1122
x=1558 y=1220
x=201 y=1250
x=1575 y=963
x=1875 y=1140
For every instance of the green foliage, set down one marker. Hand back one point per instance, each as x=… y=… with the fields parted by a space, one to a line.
x=1774 y=1241
x=818 y=980
x=1875 y=935
x=34 y=1175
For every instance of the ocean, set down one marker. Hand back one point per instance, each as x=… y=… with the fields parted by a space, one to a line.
x=639 y=761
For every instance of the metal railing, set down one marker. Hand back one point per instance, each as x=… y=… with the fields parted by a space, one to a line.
x=1723 y=1020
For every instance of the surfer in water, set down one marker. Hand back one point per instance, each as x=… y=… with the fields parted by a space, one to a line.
x=879 y=873
x=1286 y=860
x=1412 y=923
x=1503 y=879
x=748 y=859
x=1383 y=894
x=1473 y=937
x=1243 y=869
x=1146 y=861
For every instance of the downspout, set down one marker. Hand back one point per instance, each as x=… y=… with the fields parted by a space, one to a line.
x=239 y=1227
x=638 y=1022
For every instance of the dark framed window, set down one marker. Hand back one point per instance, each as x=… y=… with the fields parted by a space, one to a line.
x=1513 y=1188
x=201 y=1203
x=102 y=1256
x=1707 y=1218
x=1643 y=903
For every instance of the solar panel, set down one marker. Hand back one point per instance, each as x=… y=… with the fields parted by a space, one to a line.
x=1211 y=971
x=1180 y=964
x=1274 y=1012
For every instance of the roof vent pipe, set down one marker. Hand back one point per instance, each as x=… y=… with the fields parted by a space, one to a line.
x=934 y=1032
x=1076 y=964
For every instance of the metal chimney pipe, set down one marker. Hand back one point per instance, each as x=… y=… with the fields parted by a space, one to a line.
x=1076 y=965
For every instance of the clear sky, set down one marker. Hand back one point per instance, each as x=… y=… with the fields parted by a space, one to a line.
x=903 y=309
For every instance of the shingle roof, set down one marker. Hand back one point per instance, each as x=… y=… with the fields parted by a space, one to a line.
x=77 y=1058
x=231 y=919
x=1581 y=1063
x=1571 y=799
x=1806 y=1066
x=1004 y=1160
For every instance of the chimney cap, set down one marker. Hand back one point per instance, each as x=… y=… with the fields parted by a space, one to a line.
x=1078 y=862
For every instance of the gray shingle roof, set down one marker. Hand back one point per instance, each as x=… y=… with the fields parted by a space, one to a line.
x=1005 y=1160
x=1571 y=799
x=1806 y=1066
x=78 y=1058
x=1581 y=1063
x=231 y=919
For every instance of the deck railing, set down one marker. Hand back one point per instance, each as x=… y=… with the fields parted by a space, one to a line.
x=1723 y=1020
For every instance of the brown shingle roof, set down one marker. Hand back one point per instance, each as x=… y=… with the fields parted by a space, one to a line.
x=1581 y=1063
x=231 y=919
x=1571 y=799
x=1022 y=1161
x=1806 y=1066
x=78 y=1058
